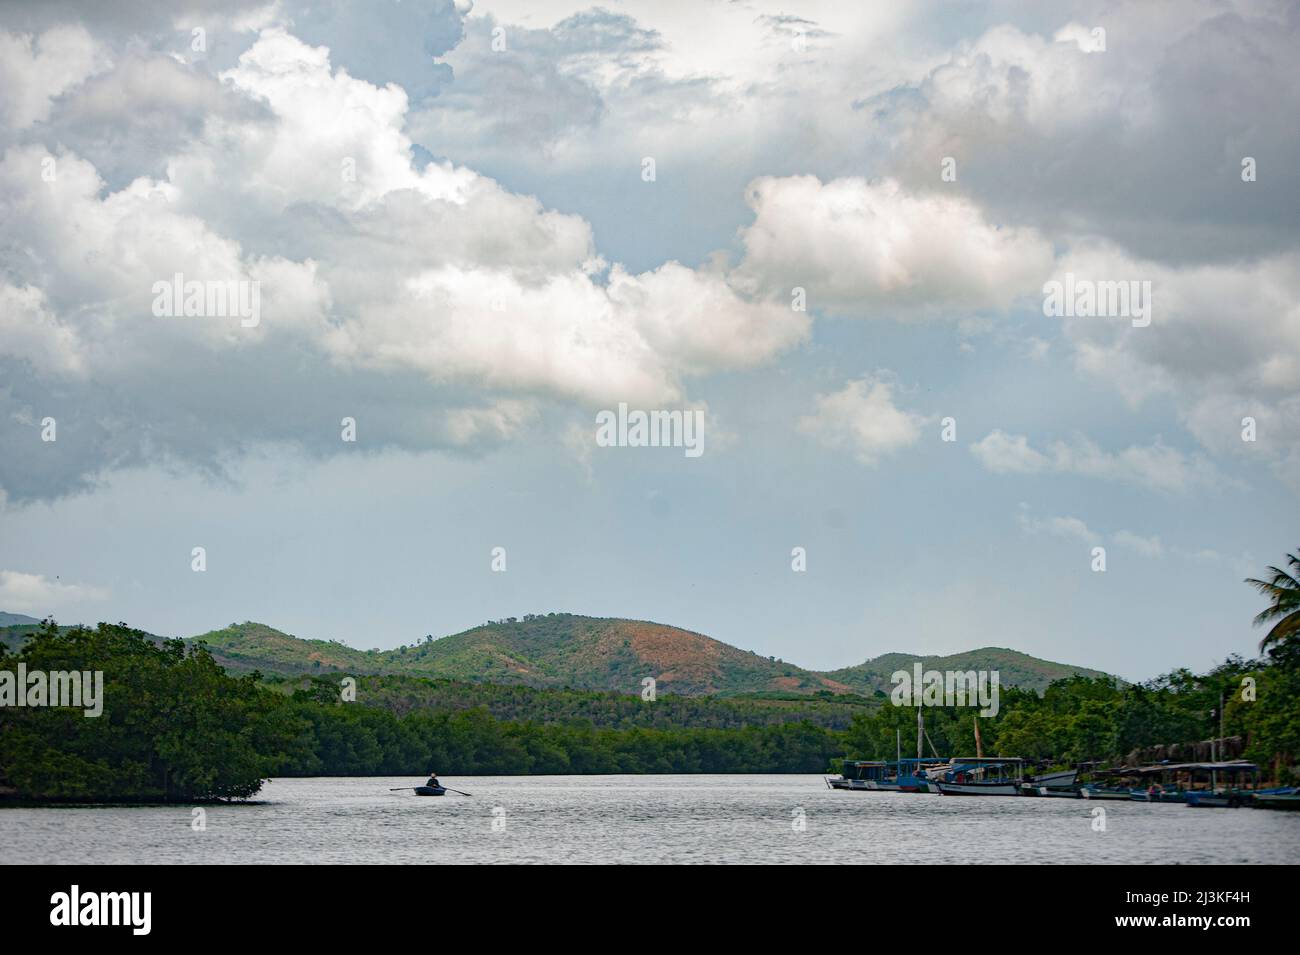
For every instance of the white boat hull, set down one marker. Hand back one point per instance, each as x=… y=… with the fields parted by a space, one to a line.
x=1011 y=788
x=1065 y=777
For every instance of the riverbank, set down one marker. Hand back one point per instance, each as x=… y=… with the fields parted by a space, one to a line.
x=641 y=819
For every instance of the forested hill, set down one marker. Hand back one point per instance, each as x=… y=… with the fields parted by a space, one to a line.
x=177 y=727
x=1013 y=668
x=603 y=654
x=17 y=620
x=551 y=650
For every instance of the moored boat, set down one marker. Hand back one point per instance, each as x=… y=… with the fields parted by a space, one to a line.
x=1099 y=792
x=1214 y=799
x=1059 y=792
x=1283 y=797
x=1057 y=780
x=983 y=776
x=1217 y=796
x=898 y=775
x=859 y=774
x=979 y=789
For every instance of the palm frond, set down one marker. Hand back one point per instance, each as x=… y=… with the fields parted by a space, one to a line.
x=1286 y=628
x=1283 y=593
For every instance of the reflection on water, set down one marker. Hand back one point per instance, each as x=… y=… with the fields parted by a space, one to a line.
x=642 y=819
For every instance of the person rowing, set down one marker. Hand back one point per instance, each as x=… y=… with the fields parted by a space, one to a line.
x=432 y=787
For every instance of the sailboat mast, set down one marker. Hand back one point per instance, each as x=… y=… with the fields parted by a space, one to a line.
x=920 y=731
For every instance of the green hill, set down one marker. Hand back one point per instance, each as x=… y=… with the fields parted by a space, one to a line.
x=17 y=620
x=246 y=646
x=562 y=650
x=600 y=653
x=1014 y=669
x=13 y=635
x=551 y=650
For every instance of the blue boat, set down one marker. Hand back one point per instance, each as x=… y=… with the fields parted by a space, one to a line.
x=909 y=775
x=897 y=775
x=984 y=776
x=857 y=773
x=1280 y=797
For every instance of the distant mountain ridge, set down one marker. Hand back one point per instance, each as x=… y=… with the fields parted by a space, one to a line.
x=1013 y=667
x=17 y=620
x=562 y=650
x=552 y=650
x=601 y=653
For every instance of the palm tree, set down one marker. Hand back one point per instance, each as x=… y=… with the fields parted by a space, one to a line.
x=1284 y=591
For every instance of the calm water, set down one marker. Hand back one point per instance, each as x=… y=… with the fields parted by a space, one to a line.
x=642 y=819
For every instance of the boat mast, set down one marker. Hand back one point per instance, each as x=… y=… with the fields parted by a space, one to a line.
x=920 y=730
x=1221 y=725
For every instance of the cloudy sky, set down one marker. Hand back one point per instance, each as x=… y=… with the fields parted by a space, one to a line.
x=827 y=227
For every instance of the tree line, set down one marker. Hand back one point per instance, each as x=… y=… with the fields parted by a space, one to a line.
x=176 y=727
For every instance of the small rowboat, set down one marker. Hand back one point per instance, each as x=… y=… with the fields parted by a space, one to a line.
x=429 y=790
x=1287 y=799
x=1093 y=792
x=990 y=788
x=1058 y=792
x=1215 y=799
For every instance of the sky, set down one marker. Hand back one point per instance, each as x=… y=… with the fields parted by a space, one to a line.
x=455 y=234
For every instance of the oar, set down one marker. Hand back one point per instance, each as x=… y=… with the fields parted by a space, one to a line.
x=399 y=789
x=450 y=790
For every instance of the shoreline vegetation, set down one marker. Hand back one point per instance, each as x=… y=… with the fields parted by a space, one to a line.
x=176 y=727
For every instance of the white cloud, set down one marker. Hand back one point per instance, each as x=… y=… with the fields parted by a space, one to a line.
x=858 y=245
x=1004 y=453
x=1049 y=131
x=396 y=271
x=861 y=417
x=1224 y=342
x=436 y=275
x=500 y=421
x=323 y=117
x=1146 y=546
x=1074 y=528
x=35 y=593
x=34 y=70
x=1156 y=466
x=1068 y=527
x=29 y=331
x=584 y=87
